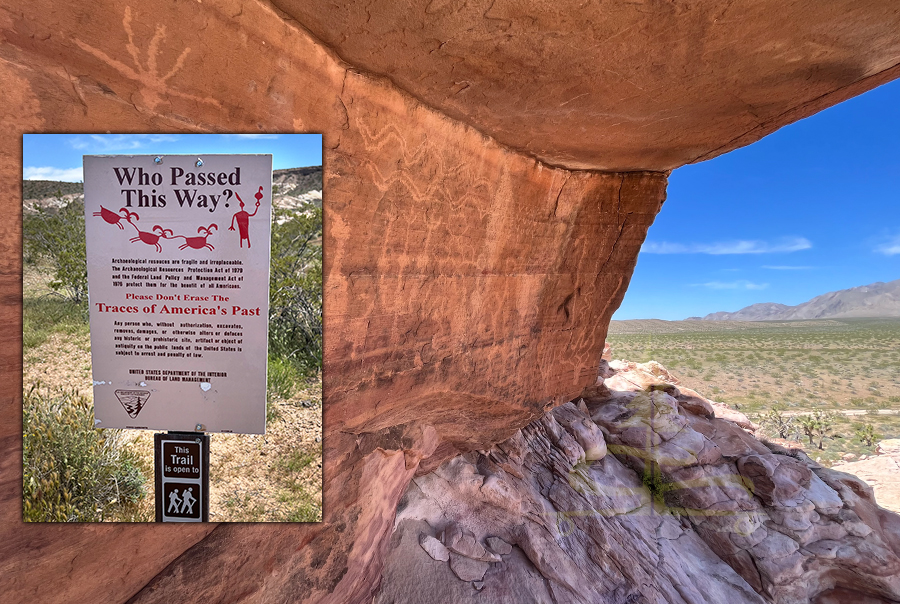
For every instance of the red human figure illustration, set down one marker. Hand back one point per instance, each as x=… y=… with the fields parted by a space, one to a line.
x=243 y=218
x=113 y=218
x=198 y=243
x=150 y=238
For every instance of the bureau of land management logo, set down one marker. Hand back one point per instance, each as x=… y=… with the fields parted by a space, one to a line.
x=133 y=400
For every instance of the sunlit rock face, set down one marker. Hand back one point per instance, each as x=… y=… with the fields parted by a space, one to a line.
x=468 y=285
x=684 y=507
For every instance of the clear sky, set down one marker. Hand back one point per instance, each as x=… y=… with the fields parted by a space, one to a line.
x=58 y=156
x=809 y=209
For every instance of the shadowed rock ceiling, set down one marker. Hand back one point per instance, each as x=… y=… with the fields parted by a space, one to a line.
x=639 y=85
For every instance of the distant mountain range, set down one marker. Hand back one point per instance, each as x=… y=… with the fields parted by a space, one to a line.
x=875 y=300
x=44 y=189
x=296 y=181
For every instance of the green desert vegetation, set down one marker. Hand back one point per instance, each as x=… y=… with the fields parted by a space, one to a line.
x=44 y=189
x=833 y=385
x=56 y=236
x=73 y=472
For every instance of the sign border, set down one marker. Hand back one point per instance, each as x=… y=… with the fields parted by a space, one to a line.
x=254 y=422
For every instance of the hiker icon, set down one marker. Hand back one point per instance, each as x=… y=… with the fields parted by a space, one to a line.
x=188 y=502
x=173 y=502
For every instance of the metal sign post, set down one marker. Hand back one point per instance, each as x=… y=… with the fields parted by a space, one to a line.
x=181 y=462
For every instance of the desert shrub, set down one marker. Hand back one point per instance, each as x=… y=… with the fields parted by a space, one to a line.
x=302 y=505
x=693 y=363
x=57 y=235
x=660 y=486
x=46 y=315
x=42 y=189
x=71 y=471
x=283 y=377
x=295 y=298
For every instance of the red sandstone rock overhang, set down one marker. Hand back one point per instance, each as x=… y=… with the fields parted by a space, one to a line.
x=640 y=85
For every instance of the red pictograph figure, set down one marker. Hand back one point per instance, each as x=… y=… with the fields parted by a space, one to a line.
x=150 y=238
x=198 y=243
x=116 y=219
x=243 y=218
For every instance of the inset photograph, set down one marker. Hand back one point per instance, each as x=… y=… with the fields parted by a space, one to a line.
x=172 y=327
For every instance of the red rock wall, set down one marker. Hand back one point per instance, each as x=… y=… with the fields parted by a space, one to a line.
x=467 y=287
x=459 y=272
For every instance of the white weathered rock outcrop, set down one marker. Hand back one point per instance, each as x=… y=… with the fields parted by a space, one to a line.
x=880 y=471
x=679 y=504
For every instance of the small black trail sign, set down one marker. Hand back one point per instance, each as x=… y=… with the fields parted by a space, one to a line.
x=182 y=476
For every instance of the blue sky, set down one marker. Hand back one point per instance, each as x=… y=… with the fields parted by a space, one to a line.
x=58 y=156
x=809 y=209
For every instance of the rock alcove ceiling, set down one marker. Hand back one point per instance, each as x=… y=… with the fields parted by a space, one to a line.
x=491 y=170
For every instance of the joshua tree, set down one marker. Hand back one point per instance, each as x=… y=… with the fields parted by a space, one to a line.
x=777 y=421
x=817 y=425
x=866 y=434
x=808 y=425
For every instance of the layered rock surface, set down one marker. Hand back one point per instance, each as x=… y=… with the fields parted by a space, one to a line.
x=686 y=507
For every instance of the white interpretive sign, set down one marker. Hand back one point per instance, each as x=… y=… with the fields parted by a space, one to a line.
x=178 y=284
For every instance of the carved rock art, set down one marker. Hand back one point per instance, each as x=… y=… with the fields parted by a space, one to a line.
x=154 y=85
